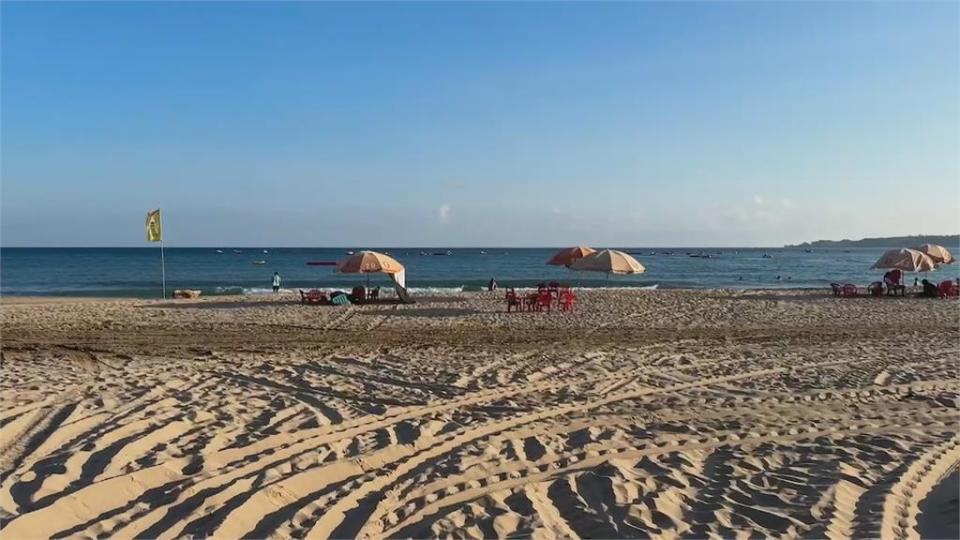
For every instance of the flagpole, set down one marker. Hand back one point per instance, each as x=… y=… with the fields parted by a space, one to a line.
x=163 y=265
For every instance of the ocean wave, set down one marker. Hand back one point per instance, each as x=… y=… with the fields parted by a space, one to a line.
x=653 y=287
x=422 y=291
x=237 y=289
x=437 y=290
x=264 y=290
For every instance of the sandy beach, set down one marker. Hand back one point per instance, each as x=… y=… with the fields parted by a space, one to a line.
x=645 y=413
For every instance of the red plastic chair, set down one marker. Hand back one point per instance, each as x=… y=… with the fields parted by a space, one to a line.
x=313 y=296
x=513 y=301
x=544 y=300
x=948 y=289
x=358 y=295
x=836 y=288
x=567 y=299
x=850 y=290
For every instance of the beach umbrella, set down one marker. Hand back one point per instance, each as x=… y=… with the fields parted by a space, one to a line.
x=371 y=262
x=368 y=262
x=610 y=261
x=939 y=254
x=566 y=257
x=907 y=260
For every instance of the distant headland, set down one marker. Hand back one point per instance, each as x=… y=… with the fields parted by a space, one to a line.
x=946 y=240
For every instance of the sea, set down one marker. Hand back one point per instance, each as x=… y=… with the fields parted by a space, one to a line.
x=136 y=272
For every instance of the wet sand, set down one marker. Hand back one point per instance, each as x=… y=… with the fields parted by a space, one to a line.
x=644 y=413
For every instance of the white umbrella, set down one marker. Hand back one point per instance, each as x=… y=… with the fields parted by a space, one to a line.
x=908 y=260
x=610 y=261
x=939 y=254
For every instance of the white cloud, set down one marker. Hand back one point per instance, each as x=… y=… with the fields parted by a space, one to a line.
x=757 y=221
x=443 y=213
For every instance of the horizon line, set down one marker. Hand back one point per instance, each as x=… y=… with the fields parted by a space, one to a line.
x=369 y=247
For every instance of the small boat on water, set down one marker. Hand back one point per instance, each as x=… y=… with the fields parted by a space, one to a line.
x=482 y=252
x=237 y=251
x=265 y=251
x=348 y=252
x=219 y=251
x=259 y=262
x=766 y=256
x=443 y=253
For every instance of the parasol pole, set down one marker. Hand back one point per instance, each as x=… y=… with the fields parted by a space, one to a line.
x=163 y=271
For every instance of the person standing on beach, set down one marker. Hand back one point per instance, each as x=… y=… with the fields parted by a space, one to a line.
x=276 y=282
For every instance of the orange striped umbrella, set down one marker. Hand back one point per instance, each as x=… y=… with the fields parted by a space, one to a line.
x=368 y=262
x=568 y=256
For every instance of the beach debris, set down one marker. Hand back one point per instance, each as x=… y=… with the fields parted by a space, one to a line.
x=187 y=293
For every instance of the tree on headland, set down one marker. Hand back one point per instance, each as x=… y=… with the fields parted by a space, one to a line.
x=946 y=240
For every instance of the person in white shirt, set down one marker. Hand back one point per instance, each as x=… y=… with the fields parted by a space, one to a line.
x=276 y=282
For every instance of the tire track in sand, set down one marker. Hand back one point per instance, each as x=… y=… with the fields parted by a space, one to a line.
x=328 y=525
x=902 y=505
x=511 y=476
x=478 y=473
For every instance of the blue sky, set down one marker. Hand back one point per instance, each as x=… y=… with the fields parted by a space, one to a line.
x=312 y=124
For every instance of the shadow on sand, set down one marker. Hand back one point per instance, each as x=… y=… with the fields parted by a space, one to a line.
x=426 y=312
x=220 y=305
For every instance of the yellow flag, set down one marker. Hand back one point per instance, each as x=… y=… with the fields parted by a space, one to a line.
x=153 y=226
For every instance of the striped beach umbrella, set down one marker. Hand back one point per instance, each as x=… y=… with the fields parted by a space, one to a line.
x=372 y=262
x=567 y=256
x=369 y=262
x=939 y=254
x=907 y=260
x=610 y=261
